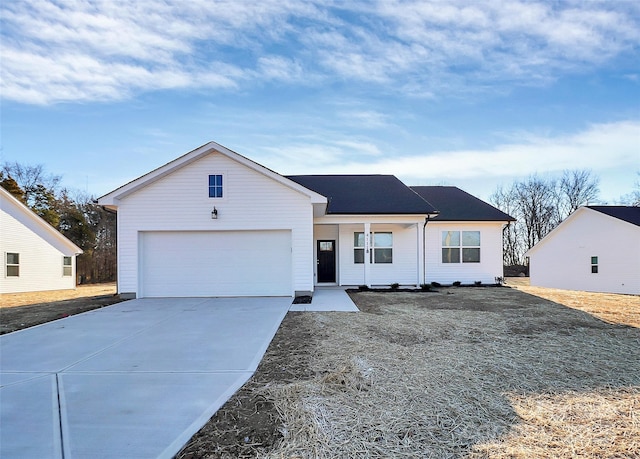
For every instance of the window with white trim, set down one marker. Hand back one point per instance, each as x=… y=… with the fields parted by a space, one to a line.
x=215 y=186
x=12 y=264
x=461 y=246
x=381 y=247
x=66 y=266
x=594 y=265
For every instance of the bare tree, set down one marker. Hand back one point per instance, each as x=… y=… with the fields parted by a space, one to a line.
x=32 y=180
x=576 y=188
x=539 y=205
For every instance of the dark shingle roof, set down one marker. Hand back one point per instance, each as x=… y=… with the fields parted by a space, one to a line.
x=457 y=205
x=365 y=194
x=628 y=214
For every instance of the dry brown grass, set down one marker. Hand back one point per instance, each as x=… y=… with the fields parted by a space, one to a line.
x=469 y=372
x=8 y=300
x=612 y=308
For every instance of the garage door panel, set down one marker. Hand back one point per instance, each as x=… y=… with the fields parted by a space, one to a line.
x=216 y=263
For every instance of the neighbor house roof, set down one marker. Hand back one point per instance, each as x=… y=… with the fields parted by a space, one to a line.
x=628 y=214
x=18 y=210
x=365 y=194
x=457 y=205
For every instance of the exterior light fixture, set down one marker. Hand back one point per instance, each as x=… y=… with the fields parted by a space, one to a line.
x=214 y=214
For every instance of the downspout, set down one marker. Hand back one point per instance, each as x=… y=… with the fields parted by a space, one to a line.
x=424 y=250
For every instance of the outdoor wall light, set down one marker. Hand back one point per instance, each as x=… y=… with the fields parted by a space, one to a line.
x=214 y=214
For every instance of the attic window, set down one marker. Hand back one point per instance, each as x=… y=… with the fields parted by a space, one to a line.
x=215 y=186
x=13 y=264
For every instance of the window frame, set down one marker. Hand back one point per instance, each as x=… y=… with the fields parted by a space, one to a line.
x=221 y=187
x=594 y=265
x=460 y=248
x=67 y=268
x=372 y=246
x=12 y=265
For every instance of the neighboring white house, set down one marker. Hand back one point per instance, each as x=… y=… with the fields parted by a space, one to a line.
x=596 y=249
x=35 y=255
x=214 y=223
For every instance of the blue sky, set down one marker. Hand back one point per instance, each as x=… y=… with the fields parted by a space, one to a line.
x=467 y=93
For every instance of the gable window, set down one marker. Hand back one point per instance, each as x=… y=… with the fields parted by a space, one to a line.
x=66 y=266
x=594 y=265
x=461 y=246
x=215 y=186
x=381 y=248
x=13 y=264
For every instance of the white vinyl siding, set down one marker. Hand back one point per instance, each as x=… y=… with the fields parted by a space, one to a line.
x=40 y=254
x=252 y=202
x=563 y=259
x=403 y=269
x=463 y=235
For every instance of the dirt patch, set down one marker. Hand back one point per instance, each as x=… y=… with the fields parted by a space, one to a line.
x=466 y=372
x=23 y=310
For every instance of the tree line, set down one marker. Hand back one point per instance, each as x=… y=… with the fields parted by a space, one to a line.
x=539 y=204
x=73 y=213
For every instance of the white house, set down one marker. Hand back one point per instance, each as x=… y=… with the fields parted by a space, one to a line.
x=35 y=255
x=214 y=223
x=596 y=249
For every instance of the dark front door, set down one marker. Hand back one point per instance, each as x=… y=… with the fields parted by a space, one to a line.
x=326 y=261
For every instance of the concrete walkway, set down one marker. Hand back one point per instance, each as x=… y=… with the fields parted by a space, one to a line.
x=136 y=379
x=328 y=299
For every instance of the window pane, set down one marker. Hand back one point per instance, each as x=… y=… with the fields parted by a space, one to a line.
x=383 y=255
x=471 y=255
x=358 y=255
x=66 y=261
x=218 y=180
x=66 y=271
x=212 y=180
x=326 y=246
x=451 y=255
x=13 y=258
x=471 y=238
x=450 y=238
x=13 y=271
x=358 y=239
x=594 y=260
x=594 y=269
x=382 y=239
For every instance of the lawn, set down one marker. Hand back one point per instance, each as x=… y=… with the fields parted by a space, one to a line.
x=462 y=372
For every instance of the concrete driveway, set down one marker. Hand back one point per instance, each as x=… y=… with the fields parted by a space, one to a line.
x=136 y=379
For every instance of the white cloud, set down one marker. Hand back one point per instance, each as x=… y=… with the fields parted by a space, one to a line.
x=85 y=50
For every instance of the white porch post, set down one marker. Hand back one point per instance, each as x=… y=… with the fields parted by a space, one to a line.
x=367 y=256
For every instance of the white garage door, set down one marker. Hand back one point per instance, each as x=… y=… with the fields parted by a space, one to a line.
x=215 y=263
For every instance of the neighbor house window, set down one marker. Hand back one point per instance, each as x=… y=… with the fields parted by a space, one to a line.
x=461 y=246
x=13 y=265
x=66 y=266
x=594 y=265
x=215 y=186
x=381 y=248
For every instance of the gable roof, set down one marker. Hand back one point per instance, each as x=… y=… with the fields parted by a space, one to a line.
x=110 y=199
x=37 y=224
x=365 y=194
x=628 y=214
x=455 y=204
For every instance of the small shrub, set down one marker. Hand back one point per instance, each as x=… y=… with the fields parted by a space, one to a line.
x=457 y=284
x=477 y=283
x=499 y=280
x=425 y=287
x=436 y=284
x=363 y=288
x=395 y=286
